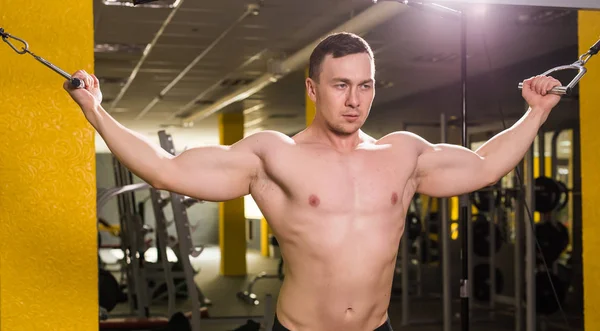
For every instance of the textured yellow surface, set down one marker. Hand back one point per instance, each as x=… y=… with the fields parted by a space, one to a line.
x=47 y=172
x=589 y=33
x=232 y=219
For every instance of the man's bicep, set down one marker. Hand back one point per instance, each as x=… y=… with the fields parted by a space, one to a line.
x=445 y=170
x=213 y=173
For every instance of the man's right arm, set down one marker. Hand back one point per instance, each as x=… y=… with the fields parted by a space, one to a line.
x=212 y=173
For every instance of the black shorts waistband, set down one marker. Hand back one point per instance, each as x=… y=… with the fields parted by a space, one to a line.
x=387 y=326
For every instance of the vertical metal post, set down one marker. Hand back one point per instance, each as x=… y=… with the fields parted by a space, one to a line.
x=465 y=222
x=405 y=280
x=421 y=246
x=530 y=242
x=493 y=215
x=445 y=247
x=162 y=240
x=470 y=253
x=405 y=273
x=518 y=251
x=576 y=203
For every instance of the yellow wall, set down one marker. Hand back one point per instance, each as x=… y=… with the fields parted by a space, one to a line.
x=589 y=32
x=232 y=220
x=47 y=172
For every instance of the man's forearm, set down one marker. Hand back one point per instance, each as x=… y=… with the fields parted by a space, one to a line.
x=137 y=153
x=504 y=151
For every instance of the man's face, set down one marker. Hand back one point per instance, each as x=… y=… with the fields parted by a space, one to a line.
x=344 y=92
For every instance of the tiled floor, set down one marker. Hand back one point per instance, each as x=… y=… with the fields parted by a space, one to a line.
x=222 y=292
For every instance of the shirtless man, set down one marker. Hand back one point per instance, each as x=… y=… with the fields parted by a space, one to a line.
x=335 y=197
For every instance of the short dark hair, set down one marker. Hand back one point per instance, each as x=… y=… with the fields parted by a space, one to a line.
x=338 y=45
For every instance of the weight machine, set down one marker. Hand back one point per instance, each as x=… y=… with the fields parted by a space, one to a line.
x=147 y=282
x=487 y=233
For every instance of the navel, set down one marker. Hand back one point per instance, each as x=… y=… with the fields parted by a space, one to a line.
x=394 y=198
x=313 y=200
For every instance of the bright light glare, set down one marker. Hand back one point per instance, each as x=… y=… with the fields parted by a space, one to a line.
x=480 y=10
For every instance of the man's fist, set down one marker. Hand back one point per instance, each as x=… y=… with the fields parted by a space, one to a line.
x=535 y=92
x=87 y=98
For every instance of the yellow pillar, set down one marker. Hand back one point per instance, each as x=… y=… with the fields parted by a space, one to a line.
x=589 y=32
x=47 y=172
x=265 y=231
x=309 y=105
x=232 y=219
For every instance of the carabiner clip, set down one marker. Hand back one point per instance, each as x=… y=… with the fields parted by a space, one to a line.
x=6 y=36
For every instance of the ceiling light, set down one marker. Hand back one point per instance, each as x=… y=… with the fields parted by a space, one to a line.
x=254 y=108
x=118 y=48
x=143 y=3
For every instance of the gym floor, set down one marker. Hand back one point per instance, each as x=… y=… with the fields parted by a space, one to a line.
x=222 y=292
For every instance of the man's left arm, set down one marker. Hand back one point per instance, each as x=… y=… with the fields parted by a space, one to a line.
x=445 y=170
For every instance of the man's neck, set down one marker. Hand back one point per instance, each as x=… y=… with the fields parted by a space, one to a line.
x=337 y=141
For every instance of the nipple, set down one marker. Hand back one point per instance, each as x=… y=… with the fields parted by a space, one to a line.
x=394 y=198
x=313 y=200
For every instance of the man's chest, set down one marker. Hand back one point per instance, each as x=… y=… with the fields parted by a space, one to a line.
x=363 y=180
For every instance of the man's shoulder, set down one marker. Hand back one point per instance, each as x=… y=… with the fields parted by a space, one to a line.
x=401 y=138
x=266 y=140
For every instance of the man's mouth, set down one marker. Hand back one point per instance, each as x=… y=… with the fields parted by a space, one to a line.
x=351 y=117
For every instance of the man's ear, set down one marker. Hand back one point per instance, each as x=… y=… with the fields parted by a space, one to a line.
x=311 y=89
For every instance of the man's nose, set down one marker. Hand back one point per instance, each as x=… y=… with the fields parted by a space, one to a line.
x=352 y=99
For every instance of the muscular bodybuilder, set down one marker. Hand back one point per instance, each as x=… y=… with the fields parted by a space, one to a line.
x=335 y=197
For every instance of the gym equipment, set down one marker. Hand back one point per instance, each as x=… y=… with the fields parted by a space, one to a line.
x=481 y=236
x=411 y=269
x=545 y=300
x=185 y=242
x=481 y=199
x=564 y=196
x=146 y=282
x=547 y=194
x=109 y=291
x=550 y=195
x=481 y=282
x=186 y=249
x=413 y=225
x=139 y=2
x=553 y=238
x=177 y=322
x=142 y=278
x=250 y=297
x=578 y=65
x=428 y=248
x=75 y=82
